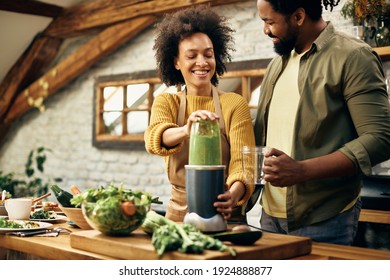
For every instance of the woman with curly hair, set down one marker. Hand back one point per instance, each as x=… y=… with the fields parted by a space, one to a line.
x=192 y=47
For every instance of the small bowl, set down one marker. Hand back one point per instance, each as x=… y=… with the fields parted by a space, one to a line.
x=76 y=216
x=111 y=220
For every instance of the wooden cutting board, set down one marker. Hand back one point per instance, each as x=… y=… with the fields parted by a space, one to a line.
x=138 y=246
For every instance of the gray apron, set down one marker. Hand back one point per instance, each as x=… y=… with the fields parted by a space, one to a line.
x=177 y=205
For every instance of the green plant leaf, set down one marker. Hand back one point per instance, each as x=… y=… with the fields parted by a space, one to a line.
x=29 y=172
x=29 y=160
x=33 y=186
x=40 y=161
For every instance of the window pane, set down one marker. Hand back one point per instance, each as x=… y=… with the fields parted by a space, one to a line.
x=113 y=98
x=163 y=88
x=230 y=84
x=137 y=96
x=159 y=88
x=137 y=122
x=112 y=123
x=172 y=89
x=255 y=97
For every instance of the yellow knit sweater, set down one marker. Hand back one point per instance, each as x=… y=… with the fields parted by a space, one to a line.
x=238 y=126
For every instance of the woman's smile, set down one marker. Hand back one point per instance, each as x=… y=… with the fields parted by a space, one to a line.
x=201 y=73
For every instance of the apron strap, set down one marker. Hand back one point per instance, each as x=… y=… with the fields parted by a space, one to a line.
x=217 y=106
x=182 y=108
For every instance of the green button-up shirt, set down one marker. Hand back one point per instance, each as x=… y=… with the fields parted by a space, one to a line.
x=343 y=106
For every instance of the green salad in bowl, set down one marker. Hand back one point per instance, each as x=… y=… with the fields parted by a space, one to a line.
x=114 y=211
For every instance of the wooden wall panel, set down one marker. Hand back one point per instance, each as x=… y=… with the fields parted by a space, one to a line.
x=104 y=43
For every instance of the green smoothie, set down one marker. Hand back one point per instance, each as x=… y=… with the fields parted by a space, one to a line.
x=205 y=144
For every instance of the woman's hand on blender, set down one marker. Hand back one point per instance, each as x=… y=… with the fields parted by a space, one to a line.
x=225 y=204
x=196 y=116
x=201 y=114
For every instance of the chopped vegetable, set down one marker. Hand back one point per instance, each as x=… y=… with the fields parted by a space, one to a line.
x=93 y=195
x=17 y=224
x=43 y=214
x=49 y=206
x=107 y=216
x=115 y=211
x=170 y=236
x=128 y=208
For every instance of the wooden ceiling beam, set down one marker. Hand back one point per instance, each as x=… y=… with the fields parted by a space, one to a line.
x=31 y=7
x=76 y=20
x=104 y=43
x=29 y=67
x=84 y=17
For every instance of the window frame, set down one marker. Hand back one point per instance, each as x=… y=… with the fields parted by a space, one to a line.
x=246 y=70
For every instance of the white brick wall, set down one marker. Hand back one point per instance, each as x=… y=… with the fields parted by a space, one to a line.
x=66 y=126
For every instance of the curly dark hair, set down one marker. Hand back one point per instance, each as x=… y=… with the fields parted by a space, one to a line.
x=313 y=8
x=183 y=23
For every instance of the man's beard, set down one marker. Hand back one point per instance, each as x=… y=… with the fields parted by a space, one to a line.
x=287 y=44
x=284 y=47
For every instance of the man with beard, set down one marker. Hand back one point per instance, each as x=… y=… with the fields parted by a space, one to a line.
x=324 y=115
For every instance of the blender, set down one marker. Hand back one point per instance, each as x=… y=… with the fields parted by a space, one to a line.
x=205 y=177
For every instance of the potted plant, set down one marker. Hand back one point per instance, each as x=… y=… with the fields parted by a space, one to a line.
x=371 y=19
x=34 y=185
x=383 y=33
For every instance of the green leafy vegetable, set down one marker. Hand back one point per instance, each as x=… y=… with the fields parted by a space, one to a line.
x=17 y=224
x=104 y=208
x=43 y=214
x=170 y=236
x=93 y=195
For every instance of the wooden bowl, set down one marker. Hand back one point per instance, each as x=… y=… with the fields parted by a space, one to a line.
x=3 y=212
x=76 y=216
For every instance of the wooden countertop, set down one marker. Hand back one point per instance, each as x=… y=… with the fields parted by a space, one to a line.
x=269 y=246
x=55 y=248
x=325 y=251
x=374 y=216
x=384 y=52
x=138 y=246
x=92 y=245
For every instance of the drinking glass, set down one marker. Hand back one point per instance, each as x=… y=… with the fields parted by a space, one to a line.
x=252 y=166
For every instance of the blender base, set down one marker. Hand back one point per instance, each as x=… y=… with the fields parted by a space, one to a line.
x=214 y=224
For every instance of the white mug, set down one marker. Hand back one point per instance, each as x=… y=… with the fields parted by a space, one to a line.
x=18 y=208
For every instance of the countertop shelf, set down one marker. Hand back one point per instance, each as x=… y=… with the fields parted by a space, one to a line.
x=384 y=52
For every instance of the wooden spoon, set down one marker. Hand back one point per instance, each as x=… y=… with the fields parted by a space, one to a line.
x=41 y=197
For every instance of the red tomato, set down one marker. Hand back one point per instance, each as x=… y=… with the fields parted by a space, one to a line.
x=128 y=208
